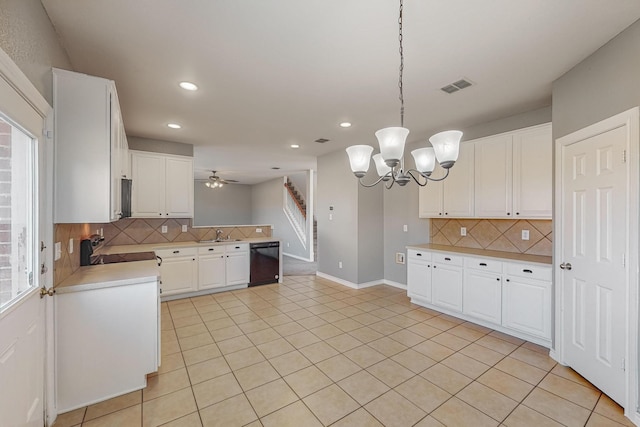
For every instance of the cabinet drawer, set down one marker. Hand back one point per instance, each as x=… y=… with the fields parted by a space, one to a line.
x=241 y=247
x=448 y=259
x=529 y=271
x=418 y=255
x=483 y=264
x=218 y=249
x=168 y=253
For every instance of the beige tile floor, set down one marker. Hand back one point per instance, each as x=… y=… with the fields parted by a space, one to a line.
x=311 y=352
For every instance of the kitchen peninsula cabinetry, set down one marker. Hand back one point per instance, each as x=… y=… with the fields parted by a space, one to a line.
x=503 y=294
x=453 y=197
x=513 y=174
x=178 y=270
x=162 y=185
x=90 y=146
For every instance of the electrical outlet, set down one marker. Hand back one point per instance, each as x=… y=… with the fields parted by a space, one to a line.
x=399 y=258
x=463 y=231
x=330 y=217
x=405 y=228
x=164 y=229
x=339 y=264
x=70 y=246
x=184 y=228
x=57 y=251
x=525 y=234
x=287 y=244
x=258 y=230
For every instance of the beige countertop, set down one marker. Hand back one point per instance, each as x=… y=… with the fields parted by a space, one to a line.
x=93 y=277
x=150 y=247
x=539 y=259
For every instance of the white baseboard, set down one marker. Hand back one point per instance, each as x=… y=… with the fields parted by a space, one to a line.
x=360 y=285
x=297 y=257
x=395 y=284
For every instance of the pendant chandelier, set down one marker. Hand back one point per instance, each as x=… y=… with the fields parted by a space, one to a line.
x=390 y=161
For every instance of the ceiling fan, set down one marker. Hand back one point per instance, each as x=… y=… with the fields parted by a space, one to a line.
x=215 y=181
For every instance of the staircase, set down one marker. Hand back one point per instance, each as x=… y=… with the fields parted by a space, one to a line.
x=296 y=195
x=296 y=211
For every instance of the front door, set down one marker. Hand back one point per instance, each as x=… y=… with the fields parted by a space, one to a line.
x=594 y=276
x=23 y=223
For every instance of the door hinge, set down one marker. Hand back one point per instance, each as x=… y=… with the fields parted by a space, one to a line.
x=624 y=156
x=47 y=133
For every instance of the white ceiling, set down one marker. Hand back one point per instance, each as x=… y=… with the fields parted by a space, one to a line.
x=277 y=72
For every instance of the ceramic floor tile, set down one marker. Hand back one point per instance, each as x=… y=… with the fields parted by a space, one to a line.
x=534 y=358
x=389 y=372
x=365 y=334
x=131 y=416
x=343 y=342
x=200 y=354
x=455 y=412
x=216 y=390
x=307 y=381
x=611 y=410
x=326 y=331
x=393 y=410
x=433 y=350
x=422 y=393
x=452 y=341
x=526 y=417
x=188 y=331
x=226 y=333
x=113 y=405
x=233 y=345
x=365 y=356
x=407 y=338
x=302 y=339
x=330 y=404
x=570 y=374
x=207 y=370
x=165 y=383
x=490 y=402
x=363 y=387
x=191 y=420
x=275 y=348
x=289 y=362
x=496 y=344
x=270 y=397
x=233 y=412
x=597 y=420
x=71 y=418
x=387 y=346
x=506 y=384
x=413 y=360
x=521 y=370
x=338 y=367
x=446 y=378
x=360 y=418
x=256 y=375
x=567 y=389
x=195 y=341
x=244 y=358
x=482 y=354
x=295 y=415
x=465 y=365
x=557 y=408
x=318 y=352
x=168 y=408
x=468 y=334
x=263 y=336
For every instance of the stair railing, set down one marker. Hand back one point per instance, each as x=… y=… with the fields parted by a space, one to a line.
x=296 y=214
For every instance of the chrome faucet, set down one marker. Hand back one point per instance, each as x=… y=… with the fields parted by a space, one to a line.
x=219 y=234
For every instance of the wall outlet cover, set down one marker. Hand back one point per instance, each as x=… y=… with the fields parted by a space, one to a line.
x=184 y=228
x=258 y=230
x=463 y=231
x=339 y=264
x=164 y=229
x=399 y=258
x=405 y=228
x=525 y=234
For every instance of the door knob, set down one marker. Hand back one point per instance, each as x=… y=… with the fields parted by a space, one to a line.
x=565 y=266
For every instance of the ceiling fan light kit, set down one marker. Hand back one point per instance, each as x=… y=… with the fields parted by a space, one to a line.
x=390 y=161
x=216 y=182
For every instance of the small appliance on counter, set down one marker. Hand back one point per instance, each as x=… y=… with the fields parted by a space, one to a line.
x=86 y=248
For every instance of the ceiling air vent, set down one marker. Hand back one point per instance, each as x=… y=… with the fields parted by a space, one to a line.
x=456 y=86
x=321 y=140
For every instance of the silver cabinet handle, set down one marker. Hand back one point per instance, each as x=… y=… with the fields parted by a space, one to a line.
x=565 y=266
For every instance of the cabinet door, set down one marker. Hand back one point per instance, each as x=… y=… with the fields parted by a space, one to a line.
x=493 y=164
x=179 y=188
x=458 y=187
x=532 y=173
x=430 y=197
x=446 y=283
x=148 y=186
x=526 y=306
x=116 y=157
x=482 y=295
x=419 y=279
x=178 y=275
x=238 y=268
x=211 y=271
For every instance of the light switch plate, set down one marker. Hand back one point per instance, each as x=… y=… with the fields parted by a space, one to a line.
x=164 y=229
x=258 y=230
x=71 y=246
x=405 y=228
x=57 y=251
x=525 y=234
x=184 y=228
x=339 y=264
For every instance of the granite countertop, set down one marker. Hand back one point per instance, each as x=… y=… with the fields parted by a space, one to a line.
x=150 y=247
x=539 y=259
x=93 y=277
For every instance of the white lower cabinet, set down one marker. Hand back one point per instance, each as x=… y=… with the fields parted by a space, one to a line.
x=211 y=268
x=505 y=295
x=178 y=270
x=419 y=275
x=237 y=264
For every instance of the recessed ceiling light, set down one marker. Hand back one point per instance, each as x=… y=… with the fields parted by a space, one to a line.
x=188 y=86
x=295 y=146
x=174 y=126
x=345 y=125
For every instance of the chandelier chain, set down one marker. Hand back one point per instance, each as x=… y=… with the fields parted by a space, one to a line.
x=401 y=97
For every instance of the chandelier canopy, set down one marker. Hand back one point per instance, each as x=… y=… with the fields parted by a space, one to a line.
x=390 y=161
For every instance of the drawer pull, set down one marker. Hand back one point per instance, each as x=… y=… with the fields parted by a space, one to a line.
x=211 y=249
x=428 y=265
x=447 y=259
x=526 y=270
x=237 y=247
x=176 y=252
x=419 y=254
x=498 y=279
x=483 y=264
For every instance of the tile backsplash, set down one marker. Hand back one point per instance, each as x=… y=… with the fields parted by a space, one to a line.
x=131 y=231
x=495 y=234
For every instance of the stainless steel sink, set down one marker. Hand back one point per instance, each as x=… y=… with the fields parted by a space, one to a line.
x=220 y=240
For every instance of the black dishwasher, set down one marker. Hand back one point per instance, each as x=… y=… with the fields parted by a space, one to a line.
x=265 y=263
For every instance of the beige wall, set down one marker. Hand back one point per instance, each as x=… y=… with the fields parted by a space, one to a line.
x=28 y=37
x=495 y=234
x=131 y=231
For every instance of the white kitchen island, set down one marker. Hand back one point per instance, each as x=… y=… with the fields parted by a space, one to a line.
x=107 y=322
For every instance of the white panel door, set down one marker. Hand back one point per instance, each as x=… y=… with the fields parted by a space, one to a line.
x=179 y=187
x=595 y=240
x=238 y=268
x=446 y=285
x=533 y=173
x=458 y=187
x=148 y=186
x=25 y=222
x=482 y=295
x=493 y=162
x=178 y=275
x=211 y=271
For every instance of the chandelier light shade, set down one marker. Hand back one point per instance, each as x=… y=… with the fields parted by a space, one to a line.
x=359 y=158
x=390 y=161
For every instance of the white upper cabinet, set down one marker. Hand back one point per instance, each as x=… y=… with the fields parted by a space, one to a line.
x=514 y=174
x=162 y=185
x=89 y=135
x=452 y=197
